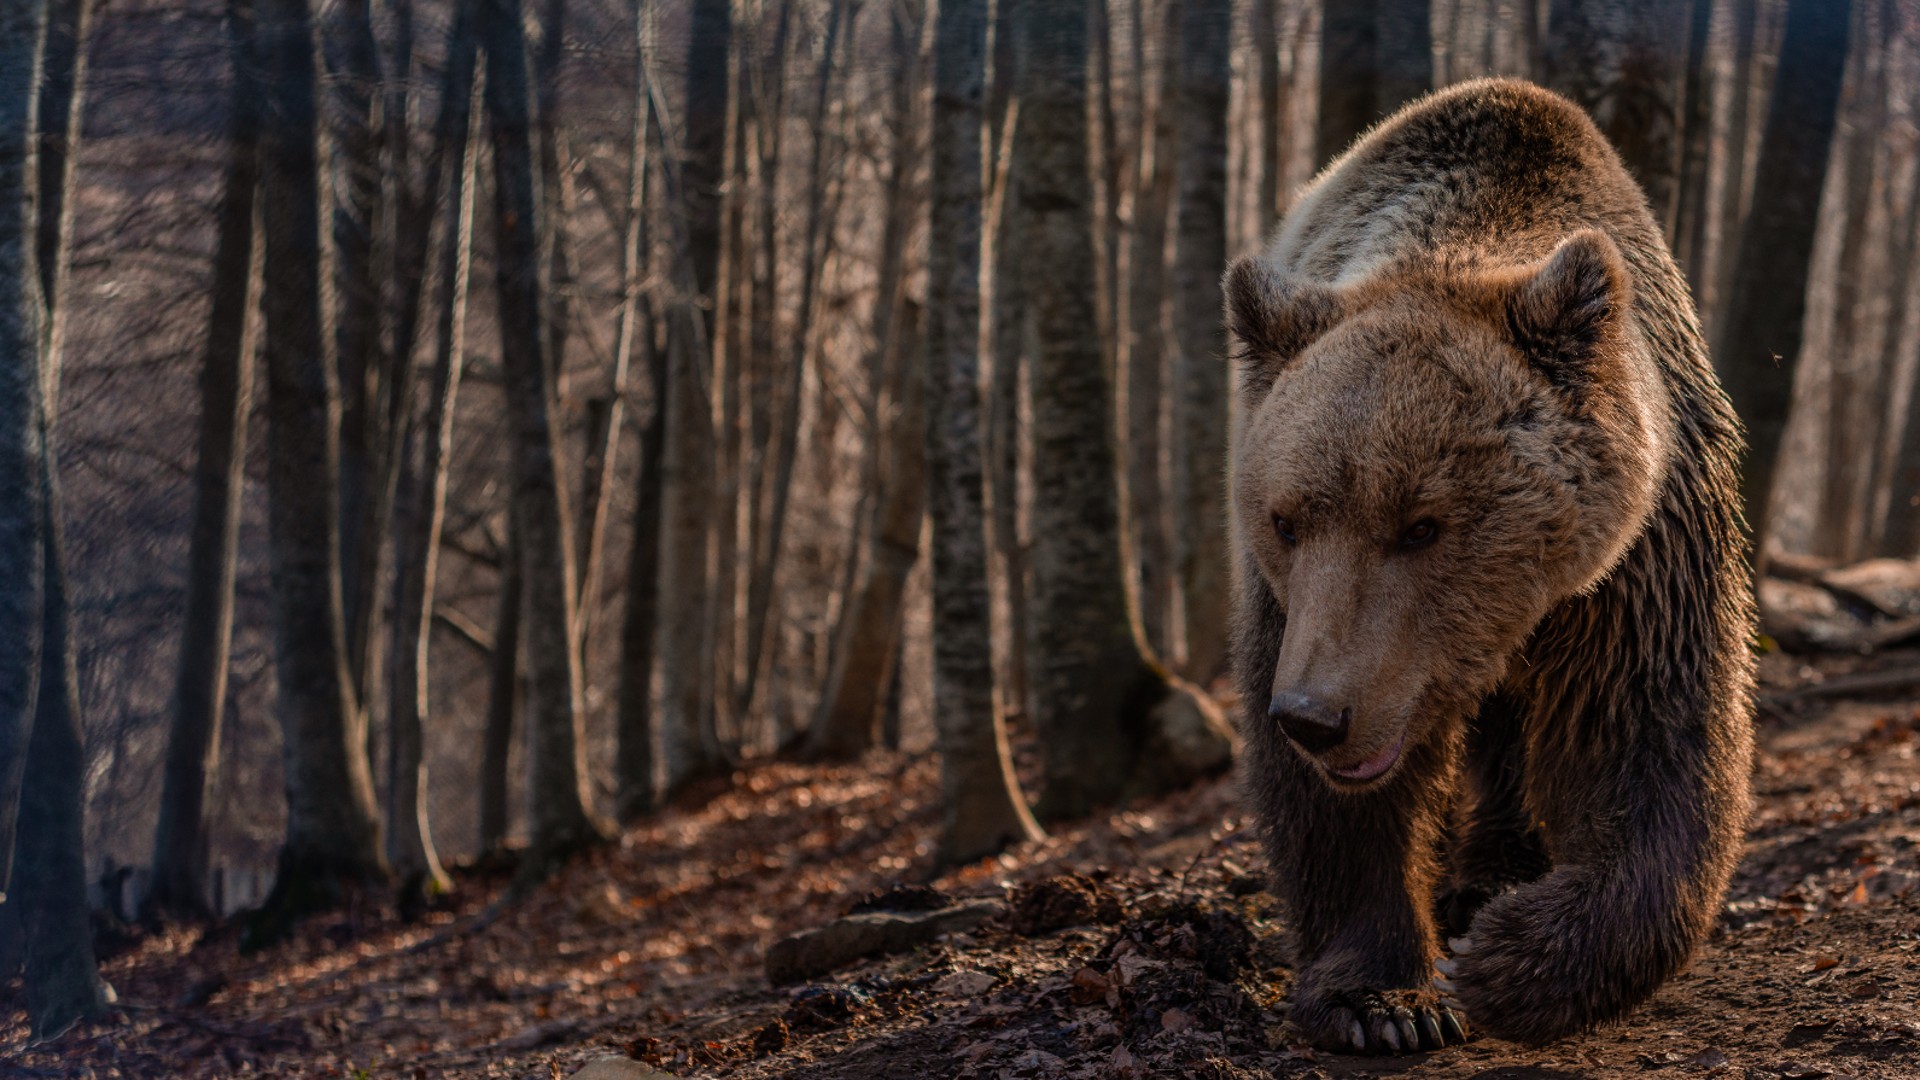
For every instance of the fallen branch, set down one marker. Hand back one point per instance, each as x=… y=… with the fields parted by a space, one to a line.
x=1865 y=682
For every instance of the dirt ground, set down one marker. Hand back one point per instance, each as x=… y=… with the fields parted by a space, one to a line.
x=1135 y=946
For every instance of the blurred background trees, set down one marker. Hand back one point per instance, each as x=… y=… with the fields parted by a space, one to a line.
x=649 y=387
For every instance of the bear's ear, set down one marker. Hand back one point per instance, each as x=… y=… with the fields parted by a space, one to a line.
x=1273 y=318
x=1563 y=313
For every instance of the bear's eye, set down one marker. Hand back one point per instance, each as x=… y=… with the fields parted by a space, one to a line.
x=1419 y=534
x=1284 y=529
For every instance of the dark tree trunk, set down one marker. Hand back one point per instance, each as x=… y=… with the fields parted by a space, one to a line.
x=63 y=87
x=561 y=819
x=1111 y=723
x=1691 y=213
x=1146 y=354
x=503 y=700
x=1200 y=365
x=226 y=398
x=1766 y=308
x=1375 y=56
x=420 y=504
x=1625 y=63
x=365 y=369
x=22 y=589
x=983 y=808
x=332 y=841
x=634 y=757
x=709 y=39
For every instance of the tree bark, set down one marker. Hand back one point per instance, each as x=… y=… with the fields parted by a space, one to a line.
x=332 y=841
x=180 y=844
x=365 y=368
x=983 y=809
x=63 y=87
x=633 y=756
x=1692 y=209
x=503 y=699
x=1200 y=404
x=1626 y=64
x=689 y=743
x=1766 y=308
x=22 y=590
x=1145 y=355
x=848 y=715
x=561 y=819
x=1375 y=56
x=1272 y=114
x=1112 y=724
x=817 y=230
x=420 y=507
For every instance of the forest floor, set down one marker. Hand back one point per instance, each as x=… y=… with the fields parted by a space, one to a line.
x=1132 y=946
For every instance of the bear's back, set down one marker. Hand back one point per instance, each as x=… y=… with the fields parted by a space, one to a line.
x=1493 y=171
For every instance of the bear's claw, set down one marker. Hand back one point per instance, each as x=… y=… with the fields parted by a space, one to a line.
x=1371 y=1025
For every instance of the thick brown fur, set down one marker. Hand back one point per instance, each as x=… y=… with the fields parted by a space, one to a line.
x=1486 y=501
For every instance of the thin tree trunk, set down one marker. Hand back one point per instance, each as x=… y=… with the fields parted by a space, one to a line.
x=1375 y=56
x=1692 y=210
x=689 y=743
x=848 y=715
x=22 y=590
x=562 y=822
x=333 y=833
x=1112 y=725
x=420 y=509
x=819 y=225
x=1011 y=325
x=983 y=809
x=731 y=363
x=1625 y=63
x=63 y=88
x=1767 y=305
x=226 y=398
x=503 y=698
x=1271 y=113
x=364 y=367
x=1146 y=363
x=1200 y=371
x=1736 y=178
x=1897 y=532
x=634 y=758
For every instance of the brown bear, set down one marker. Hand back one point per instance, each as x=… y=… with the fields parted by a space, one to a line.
x=1492 y=603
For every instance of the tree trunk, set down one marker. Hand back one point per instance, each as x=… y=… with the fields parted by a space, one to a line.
x=22 y=590
x=1692 y=208
x=1736 y=178
x=1272 y=116
x=816 y=232
x=503 y=699
x=633 y=757
x=1767 y=305
x=1375 y=56
x=1625 y=63
x=364 y=367
x=688 y=741
x=983 y=808
x=1012 y=326
x=1145 y=355
x=332 y=841
x=420 y=508
x=1897 y=532
x=1200 y=372
x=226 y=398
x=63 y=87
x=562 y=822
x=45 y=761
x=848 y=715
x=1111 y=722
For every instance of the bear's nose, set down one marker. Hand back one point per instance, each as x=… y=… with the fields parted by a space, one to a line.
x=1314 y=724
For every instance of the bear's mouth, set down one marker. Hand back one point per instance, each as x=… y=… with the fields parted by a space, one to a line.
x=1375 y=767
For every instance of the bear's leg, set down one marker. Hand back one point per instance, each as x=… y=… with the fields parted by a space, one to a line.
x=1497 y=847
x=1644 y=830
x=1356 y=872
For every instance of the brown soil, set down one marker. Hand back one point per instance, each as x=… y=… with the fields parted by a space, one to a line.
x=1138 y=945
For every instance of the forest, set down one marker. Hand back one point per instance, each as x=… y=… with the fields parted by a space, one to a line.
x=626 y=538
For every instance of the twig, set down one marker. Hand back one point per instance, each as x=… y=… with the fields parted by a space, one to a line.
x=1866 y=682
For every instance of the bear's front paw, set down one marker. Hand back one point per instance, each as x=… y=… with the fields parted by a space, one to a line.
x=1380 y=1022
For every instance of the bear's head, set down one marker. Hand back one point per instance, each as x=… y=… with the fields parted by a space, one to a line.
x=1430 y=460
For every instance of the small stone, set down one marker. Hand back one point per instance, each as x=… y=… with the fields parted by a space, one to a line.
x=967 y=984
x=619 y=1068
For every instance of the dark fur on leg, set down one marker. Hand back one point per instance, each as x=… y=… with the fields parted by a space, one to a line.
x=1496 y=846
